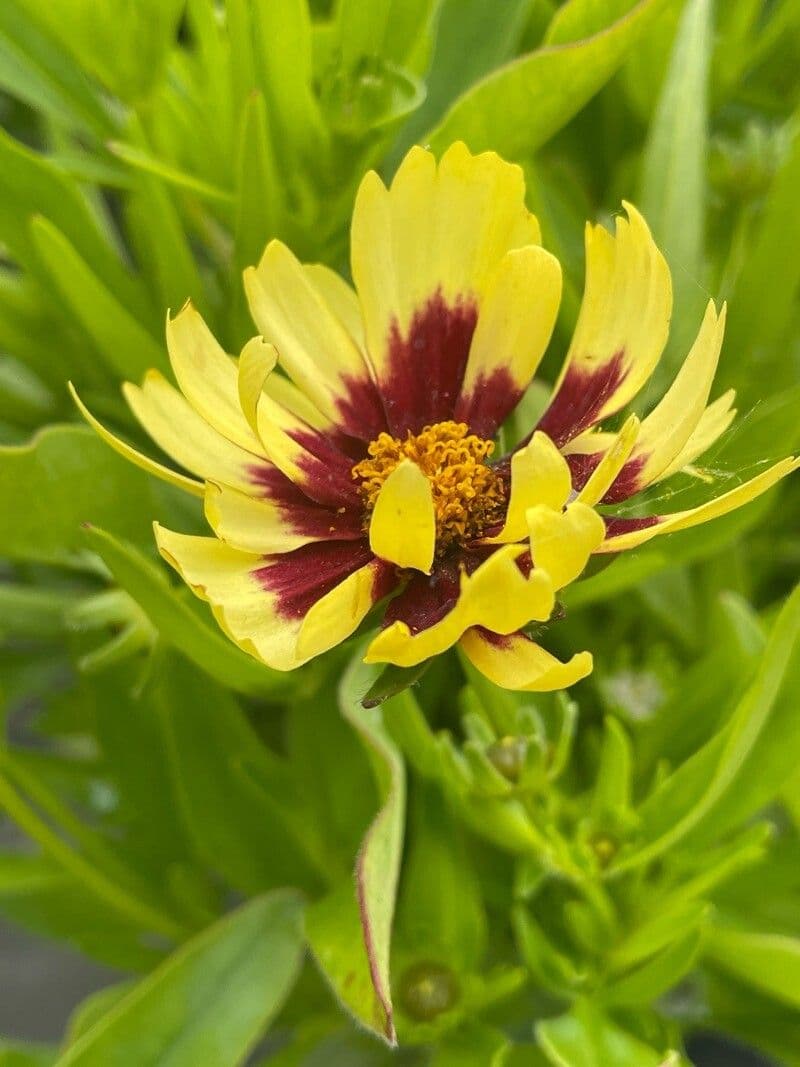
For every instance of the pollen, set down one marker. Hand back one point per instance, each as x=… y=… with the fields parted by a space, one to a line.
x=469 y=496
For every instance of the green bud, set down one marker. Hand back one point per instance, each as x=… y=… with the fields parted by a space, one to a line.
x=604 y=847
x=508 y=756
x=427 y=990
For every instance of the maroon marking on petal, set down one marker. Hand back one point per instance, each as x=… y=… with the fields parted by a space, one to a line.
x=321 y=484
x=582 y=467
x=427 y=598
x=305 y=516
x=491 y=400
x=361 y=409
x=616 y=527
x=581 y=398
x=501 y=641
x=327 y=470
x=625 y=485
x=301 y=578
x=628 y=481
x=524 y=564
x=426 y=367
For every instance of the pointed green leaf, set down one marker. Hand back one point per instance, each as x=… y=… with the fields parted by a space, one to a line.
x=123 y=342
x=584 y=1037
x=350 y=931
x=66 y=477
x=36 y=68
x=687 y=797
x=235 y=797
x=673 y=193
x=179 y=624
x=516 y=109
x=210 y=1001
x=769 y=962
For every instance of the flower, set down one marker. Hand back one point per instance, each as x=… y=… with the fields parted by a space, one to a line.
x=365 y=469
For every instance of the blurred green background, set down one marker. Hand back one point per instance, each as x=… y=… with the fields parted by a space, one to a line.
x=148 y=151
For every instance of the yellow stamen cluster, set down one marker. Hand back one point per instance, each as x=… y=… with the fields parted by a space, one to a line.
x=468 y=495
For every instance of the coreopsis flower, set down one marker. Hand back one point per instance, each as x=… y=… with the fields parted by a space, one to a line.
x=347 y=459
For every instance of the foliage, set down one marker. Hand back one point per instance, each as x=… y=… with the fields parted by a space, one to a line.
x=538 y=880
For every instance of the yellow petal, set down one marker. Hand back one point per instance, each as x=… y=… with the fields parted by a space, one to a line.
x=132 y=454
x=561 y=543
x=439 y=230
x=206 y=375
x=305 y=455
x=611 y=464
x=712 y=509
x=621 y=331
x=497 y=595
x=257 y=361
x=291 y=399
x=177 y=429
x=402 y=529
x=233 y=582
x=515 y=323
x=670 y=425
x=539 y=475
x=314 y=346
x=340 y=297
x=713 y=423
x=273 y=423
x=268 y=526
x=339 y=614
x=516 y=662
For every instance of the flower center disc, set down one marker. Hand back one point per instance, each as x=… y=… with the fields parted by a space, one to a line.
x=468 y=495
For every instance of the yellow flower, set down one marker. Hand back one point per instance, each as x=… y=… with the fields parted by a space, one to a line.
x=364 y=469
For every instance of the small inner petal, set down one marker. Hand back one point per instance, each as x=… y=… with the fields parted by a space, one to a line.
x=469 y=496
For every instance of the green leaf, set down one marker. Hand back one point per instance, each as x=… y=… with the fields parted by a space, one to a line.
x=517 y=108
x=235 y=797
x=259 y=196
x=124 y=343
x=178 y=623
x=440 y=913
x=37 y=69
x=350 y=931
x=393 y=680
x=399 y=31
x=125 y=46
x=670 y=922
x=28 y=611
x=67 y=477
x=673 y=193
x=472 y=1045
x=139 y=159
x=763 y=300
x=584 y=1037
x=17 y=1054
x=93 y=1008
x=612 y=789
x=210 y=1001
x=769 y=962
x=31 y=185
x=654 y=978
x=38 y=895
x=282 y=30
x=163 y=243
x=685 y=799
x=470 y=42
x=550 y=967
